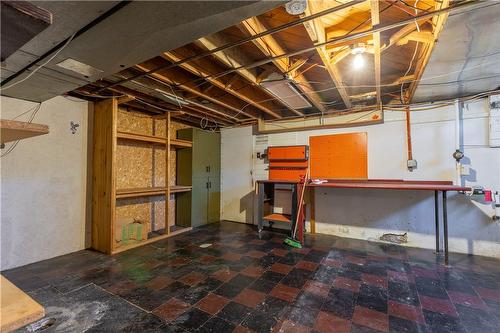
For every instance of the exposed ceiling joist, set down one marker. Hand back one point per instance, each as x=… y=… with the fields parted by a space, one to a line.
x=125 y=99
x=398 y=35
x=206 y=68
x=145 y=89
x=234 y=58
x=270 y=47
x=317 y=33
x=417 y=36
x=151 y=104
x=194 y=90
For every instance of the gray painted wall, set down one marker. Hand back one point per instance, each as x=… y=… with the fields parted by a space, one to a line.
x=44 y=183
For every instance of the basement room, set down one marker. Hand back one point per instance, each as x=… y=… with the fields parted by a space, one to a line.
x=250 y=166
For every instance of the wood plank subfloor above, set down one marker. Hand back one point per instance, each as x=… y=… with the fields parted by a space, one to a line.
x=245 y=283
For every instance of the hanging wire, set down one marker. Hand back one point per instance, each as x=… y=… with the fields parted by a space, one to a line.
x=39 y=67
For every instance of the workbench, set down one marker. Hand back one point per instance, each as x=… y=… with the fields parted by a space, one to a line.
x=382 y=184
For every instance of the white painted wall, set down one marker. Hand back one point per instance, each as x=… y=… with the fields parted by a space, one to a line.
x=43 y=184
x=237 y=200
x=367 y=214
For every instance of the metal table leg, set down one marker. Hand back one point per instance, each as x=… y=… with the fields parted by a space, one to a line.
x=445 y=228
x=436 y=218
x=260 y=205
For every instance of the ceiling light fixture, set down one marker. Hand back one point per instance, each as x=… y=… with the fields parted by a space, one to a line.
x=358 y=50
x=296 y=7
x=284 y=89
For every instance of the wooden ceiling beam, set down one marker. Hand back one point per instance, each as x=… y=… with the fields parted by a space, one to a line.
x=192 y=89
x=317 y=33
x=270 y=47
x=417 y=36
x=398 y=35
x=235 y=58
x=152 y=104
x=375 y=13
x=206 y=68
x=438 y=22
x=125 y=99
x=231 y=58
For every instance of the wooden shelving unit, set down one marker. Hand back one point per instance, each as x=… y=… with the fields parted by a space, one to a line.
x=109 y=192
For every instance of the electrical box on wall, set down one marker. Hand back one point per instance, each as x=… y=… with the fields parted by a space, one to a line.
x=494 y=121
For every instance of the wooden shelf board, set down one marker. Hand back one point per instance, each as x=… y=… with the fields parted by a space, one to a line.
x=17 y=308
x=180 y=189
x=278 y=217
x=150 y=240
x=139 y=192
x=149 y=191
x=141 y=137
x=178 y=143
x=13 y=130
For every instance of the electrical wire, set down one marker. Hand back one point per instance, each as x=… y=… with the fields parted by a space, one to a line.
x=39 y=67
x=408 y=70
x=30 y=120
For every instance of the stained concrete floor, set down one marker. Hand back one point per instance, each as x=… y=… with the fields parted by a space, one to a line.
x=243 y=283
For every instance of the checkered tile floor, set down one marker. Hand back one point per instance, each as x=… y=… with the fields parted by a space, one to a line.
x=243 y=283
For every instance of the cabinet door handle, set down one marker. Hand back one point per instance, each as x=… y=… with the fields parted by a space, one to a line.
x=207 y=185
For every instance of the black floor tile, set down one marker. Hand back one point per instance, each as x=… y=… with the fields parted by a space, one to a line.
x=296 y=278
x=229 y=290
x=259 y=322
x=475 y=320
x=430 y=287
x=73 y=287
x=192 y=319
x=399 y=325
x=234 y=312
x=341 y=303
x=372 y=298
x=438 y=322
x=263 y=285
x=403 y=292
x=216 y=325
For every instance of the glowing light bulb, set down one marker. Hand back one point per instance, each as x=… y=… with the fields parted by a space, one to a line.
x=358 y=61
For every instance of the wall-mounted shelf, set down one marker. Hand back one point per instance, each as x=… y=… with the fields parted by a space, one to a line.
x=13 y=130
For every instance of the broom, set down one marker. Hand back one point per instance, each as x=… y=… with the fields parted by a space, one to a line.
x=292 y=241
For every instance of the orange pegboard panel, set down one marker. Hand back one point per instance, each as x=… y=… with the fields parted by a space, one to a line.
x=339 y=156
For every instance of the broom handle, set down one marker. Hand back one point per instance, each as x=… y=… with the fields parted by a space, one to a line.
x=300 y=203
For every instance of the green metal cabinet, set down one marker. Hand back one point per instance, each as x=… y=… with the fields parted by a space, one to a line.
x=199 y=167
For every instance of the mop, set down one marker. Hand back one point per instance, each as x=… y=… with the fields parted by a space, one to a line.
x=292 y=241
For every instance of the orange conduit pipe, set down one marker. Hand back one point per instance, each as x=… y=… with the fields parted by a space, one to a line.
x=408 y=133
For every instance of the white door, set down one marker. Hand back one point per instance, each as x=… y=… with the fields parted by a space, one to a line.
x=236 y=174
